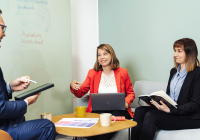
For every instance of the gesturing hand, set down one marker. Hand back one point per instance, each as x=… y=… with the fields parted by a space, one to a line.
x=75 y=85
x=162 y=107
x=20 y=84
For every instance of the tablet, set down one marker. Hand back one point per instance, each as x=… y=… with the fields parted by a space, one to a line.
x=33 y=91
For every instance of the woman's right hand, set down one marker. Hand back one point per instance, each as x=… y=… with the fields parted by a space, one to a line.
x=75 y=85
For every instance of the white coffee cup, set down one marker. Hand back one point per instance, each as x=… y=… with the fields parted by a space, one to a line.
x=105 y=119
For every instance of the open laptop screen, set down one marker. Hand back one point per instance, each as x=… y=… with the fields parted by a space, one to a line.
x=108 y=101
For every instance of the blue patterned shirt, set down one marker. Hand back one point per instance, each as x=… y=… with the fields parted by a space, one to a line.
x=176 y=83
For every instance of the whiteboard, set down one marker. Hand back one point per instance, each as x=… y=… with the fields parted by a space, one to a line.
x=38 y=44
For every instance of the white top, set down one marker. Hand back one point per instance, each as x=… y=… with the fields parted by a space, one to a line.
x=107 y=84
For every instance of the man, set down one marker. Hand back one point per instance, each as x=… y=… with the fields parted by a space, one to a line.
x=12 y=118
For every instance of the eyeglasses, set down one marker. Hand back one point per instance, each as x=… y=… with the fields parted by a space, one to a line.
x=4 y=27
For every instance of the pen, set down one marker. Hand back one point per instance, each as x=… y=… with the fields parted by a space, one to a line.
x=29 y=80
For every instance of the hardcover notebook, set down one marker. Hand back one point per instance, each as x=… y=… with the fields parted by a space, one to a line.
x=33 y=91
x=158 y=96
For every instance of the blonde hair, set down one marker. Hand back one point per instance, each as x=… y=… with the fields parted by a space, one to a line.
x=114 y=60
x=190 y=48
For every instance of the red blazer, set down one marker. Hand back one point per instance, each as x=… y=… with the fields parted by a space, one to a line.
x=123 y=82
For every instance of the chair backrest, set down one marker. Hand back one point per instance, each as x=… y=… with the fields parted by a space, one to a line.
x=146 y=87
x=5 y=136
x=83 y=101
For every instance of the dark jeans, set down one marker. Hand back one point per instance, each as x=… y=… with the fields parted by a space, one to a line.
x=148 y=119
x=108 y=136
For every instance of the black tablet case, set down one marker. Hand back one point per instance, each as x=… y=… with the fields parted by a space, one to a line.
x=33 y=91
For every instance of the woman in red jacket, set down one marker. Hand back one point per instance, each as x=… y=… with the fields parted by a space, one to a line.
x=106 y=77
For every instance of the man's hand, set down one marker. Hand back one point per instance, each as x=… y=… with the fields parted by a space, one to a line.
x=32 y=99
x=20 y=84
x=162 y=107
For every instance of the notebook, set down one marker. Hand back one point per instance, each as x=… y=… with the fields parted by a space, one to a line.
x=108 y=101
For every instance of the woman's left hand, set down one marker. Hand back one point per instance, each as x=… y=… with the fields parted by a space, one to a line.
x=126 y=104
x=162 y=107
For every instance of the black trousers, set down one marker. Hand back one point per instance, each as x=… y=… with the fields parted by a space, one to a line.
x=148 y=119
x=108 y=136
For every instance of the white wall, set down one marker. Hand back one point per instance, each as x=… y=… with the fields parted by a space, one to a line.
x=85 y=37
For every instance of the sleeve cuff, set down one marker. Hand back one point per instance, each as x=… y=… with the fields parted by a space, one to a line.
x=26 y=102
x=8 y=88
x=129 y=103
x=72 y=91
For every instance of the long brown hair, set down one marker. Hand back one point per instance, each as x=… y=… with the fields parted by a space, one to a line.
x=0 y=12
x=191 y=52
x=114 y=60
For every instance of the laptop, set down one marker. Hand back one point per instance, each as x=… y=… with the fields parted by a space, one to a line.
x=108 y=101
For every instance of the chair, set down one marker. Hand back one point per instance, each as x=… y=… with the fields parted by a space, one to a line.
x=5 y=136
